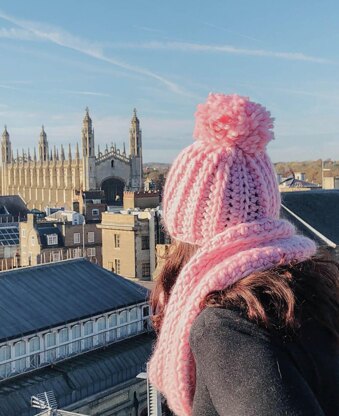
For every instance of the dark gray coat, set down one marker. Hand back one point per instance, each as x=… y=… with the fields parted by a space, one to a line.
x=244 y=371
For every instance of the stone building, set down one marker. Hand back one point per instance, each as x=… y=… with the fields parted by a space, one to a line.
x=331 y=182
x=47 y=241
x=128 y=243
x=54 y=178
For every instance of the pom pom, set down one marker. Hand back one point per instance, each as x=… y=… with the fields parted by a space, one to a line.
x=232 y=120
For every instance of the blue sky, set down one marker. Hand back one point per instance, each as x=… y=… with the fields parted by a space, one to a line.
x=164 y=57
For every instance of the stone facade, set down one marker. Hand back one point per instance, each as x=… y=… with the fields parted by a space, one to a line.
x=52 y=178
x=66 y=241
x=142 y=200
x=128 y=242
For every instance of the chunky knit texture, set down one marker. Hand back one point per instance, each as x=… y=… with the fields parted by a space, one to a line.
x=225 y=177
x=222 y=195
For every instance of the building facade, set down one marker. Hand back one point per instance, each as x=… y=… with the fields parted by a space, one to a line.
x=128 y=243
x=47 y=241
x=61 y=179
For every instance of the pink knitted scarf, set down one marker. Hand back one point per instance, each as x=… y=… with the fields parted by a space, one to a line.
x=228 y=257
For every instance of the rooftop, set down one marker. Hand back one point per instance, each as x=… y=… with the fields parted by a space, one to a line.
x=36 y=298
x=78 y=378
x=318 y=208
x=12 y=205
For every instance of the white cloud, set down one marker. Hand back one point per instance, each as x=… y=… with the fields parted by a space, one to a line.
x=229 y=49
x=90 y=93
x=67 y=40
x=17 y=34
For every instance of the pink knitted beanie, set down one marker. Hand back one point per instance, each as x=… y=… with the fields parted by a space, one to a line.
x=225 y=177
x=222 y=195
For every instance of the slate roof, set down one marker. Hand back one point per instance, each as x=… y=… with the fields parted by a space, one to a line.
x=13 y=205
x=320 y=209
x=93 y=195
x=78 y=378
x=36 y=298
x=45 y=229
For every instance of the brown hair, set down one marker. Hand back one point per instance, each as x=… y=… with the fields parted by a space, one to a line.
x=279 y=299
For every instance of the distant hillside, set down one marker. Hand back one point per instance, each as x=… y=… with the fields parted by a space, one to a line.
x=312 y=169
x=156 y=166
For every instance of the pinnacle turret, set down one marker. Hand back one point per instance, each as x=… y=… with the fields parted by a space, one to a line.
x=43 y=145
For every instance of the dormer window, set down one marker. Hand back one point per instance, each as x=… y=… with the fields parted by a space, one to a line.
x=52 y=239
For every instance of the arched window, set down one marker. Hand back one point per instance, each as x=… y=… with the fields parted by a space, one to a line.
x=123 y=324
x=34 y=344
x=112 y=323
x=133 y=317
x=63 y=350
x=112 y=163
x=5 y=354
x=19 y=351
x=50 y=347
x=34 y=347
x=76 y=334
x=101 y=326
x=88 y=330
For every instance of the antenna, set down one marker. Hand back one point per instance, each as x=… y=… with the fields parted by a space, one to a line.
x=45 y=400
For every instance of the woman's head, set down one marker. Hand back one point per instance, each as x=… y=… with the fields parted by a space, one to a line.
x=225 y=177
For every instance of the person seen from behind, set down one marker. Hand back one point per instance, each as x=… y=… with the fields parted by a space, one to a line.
x=246 y=310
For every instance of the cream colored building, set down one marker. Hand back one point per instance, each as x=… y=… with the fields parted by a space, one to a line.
x=47 y=242
x=129 y=241
x=331 y=182
x=56 y=179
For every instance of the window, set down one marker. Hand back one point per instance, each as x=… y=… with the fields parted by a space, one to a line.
x=63 y=338
x=50 y=342
x=32 y=240
x=133 y=316
x=19 y=351
x=112 y=323
x=117 y=240
x=91 y=252
x=52 y=239
x=77 y=252
x=146 y=271
x=23 y=233
x=90 y=237
x=5 y=354
x=88 y=330
x=122 y=323
x=101 y=326
x=56 y=256
x=145 y=242
x=112 y=163
x=117 y=266
x=95 y=212
x=145 y=311
x=76 y=238
x=76 y=333
x=34 y=346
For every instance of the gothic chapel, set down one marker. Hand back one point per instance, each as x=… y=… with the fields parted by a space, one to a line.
x=56 y=179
